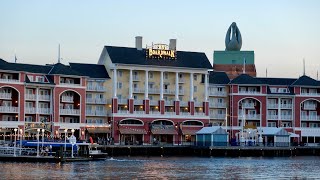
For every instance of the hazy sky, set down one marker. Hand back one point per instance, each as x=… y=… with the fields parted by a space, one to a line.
x=281 y=33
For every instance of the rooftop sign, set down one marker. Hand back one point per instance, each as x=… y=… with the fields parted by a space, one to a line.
x=160 y=51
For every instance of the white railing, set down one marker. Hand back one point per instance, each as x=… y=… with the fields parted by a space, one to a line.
x=185 y=113
x=90 y=113
x=30 y=96
x=44 y=110
x=135 y=78
x=181 y=92
x=183 y=103
x=286 y=117
x=169 y=103
x=219 y=105
x=197 y=104
x=122 y=101
x=199 y=113
x=96 y=88
x=5 y=95
x=154 y=112
x=100 y=101
x=9 y=80
x=44 y=97
x=286 y=106
x=312 y=118
x=310 y=94
x=70 y=84
x=248 y=105
x=137 y=90
x=91 y=88
x=123 y=112
x=90 y=100
x=181 y=80
x=249 y=92
x=154 y=103
x=252 y=116
x=272 y=117
x=169 y=113
x=217 y=116
x=153 y=91
x=70 y=111
x=8 y=109
x=168 y=91
x=273 y=106
x=217 y=93
x=138 y=102
x=309 y=106
x=67 y=98
x=100 y=113
x=138 y=112
x=30 y=110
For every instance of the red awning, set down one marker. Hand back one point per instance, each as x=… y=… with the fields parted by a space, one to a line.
x=189 y=131
x=132 y=131
x=164 y=131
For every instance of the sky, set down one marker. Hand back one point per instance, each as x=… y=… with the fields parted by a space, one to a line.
x=281 y=33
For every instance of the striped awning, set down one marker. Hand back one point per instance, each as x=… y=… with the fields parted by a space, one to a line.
x=132 y=131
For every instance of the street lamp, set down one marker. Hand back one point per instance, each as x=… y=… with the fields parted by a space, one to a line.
x=242 y=126
x=38 y=130
x=65 y=139
x=42 y=130
x=20 y=141
x=72 y=143
x=15 y=141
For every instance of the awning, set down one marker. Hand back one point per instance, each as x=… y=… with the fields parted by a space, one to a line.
x=132 y=131
x=294 y=135
x=169 y=131
x=98 y=129
x=189 y=131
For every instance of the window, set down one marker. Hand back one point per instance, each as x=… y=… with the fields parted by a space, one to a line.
x=119 y=96
x=29 y=91
x=271 y=124
x=195 y=88
x=150 y=75
x=135 y=97
x=165 y=86
x=40 y=79
x=220 y=100
x=151 y=98
x=166 y=75
x=119 y=85
x=150 y=85
x=30 y=78
x=273 y=90
x=89 y=96
x=220 y=89
x=195 y=77
x=28 y=104
x=303 y=124
x=135 y=86
x=120 y=73
x=283 y=90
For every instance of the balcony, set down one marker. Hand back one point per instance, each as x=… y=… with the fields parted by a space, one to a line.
x=185 y=113
x=8 y=109
x=154 y=112
x=90 y=100
x=247 y=105
x=181 y=92
x=70 y=112
x=181 y=80
x=44 y=110
x=217 y=116
x=252 y=116
x=96 y=113
x=198 y=104
x=154 y=103
x=217 y=93
x=30 y=110
x=153 y=91
x=44 y=97
x=135 y=78
x=138 y=102
x=286 y=117
x=309 y=106
x=286 y=106
x=5 y=95
x=310 y=118
x=272 y=117
x=67 y=99
x=169 y=103
x=123 y=112
x=30 y=97
x=122 y=101
x=183 y=104
x=168 y=91
x=249 y=92
x=8 y=80
x=169 y=113
x=217 y=105
x=272 y=106
x=70 y=84
x=100 y=101
x=96 y=88
x=138 y=112
x=310 y=94
x=199 y=114
x=137 y=90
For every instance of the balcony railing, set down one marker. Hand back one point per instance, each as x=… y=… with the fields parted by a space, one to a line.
x=8 y=109
x=310 y=118
x=135 y=78
x=5 y=95
x=249 y=116
x=96 y=113
x=67 y=98
x=185 y=113
x=70 y=84
x=137 y=90
x=169 y=103
x=217 y=93
x=154 y=112
x=138 y=112
x=272 y=106
x=153 y=91
x=309 y=106
x=30 y=110
x=8 y=80
x=169 y=113
x=122 y=101
x=310 y=94
x=199 y=114
x=96 y=88
x=30 y=96
x=272 y=117
x=69 y=111
x=44 y=97
x=249 y=92
x=217 y=116
x=123 y=112
x=100 y=101
x=154 y=103
x=168 y=91
x=181 y=80
x=198 y=104
x=138 y=102
x=286 y=117
x=247 y=105
x=181 y=92
x=183 y=104
x=286 y=106
x=217 y=105
x=44 y=110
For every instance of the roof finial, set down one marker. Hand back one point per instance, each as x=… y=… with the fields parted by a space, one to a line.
x=304 y=67
x=59 y=54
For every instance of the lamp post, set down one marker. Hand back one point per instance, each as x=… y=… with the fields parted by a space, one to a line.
x=38 y=130
x=242 y=126
x=15 y=141
x=20 y=141
x=65 y=139
x=72 y=143
x=42 y=130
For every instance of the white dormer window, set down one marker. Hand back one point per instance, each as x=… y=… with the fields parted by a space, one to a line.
x=283 y=90
x=40 y=79
x=30 y=78
x=273 y=90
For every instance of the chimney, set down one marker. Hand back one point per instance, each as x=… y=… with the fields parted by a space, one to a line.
x=139 y=42
x=173 y=44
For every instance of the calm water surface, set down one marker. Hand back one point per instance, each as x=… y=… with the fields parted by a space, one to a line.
x=169 y=168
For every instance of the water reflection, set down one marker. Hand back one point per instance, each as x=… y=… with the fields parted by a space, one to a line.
x=168 y=168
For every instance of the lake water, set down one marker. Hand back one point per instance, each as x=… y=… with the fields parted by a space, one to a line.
x=169 y=168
